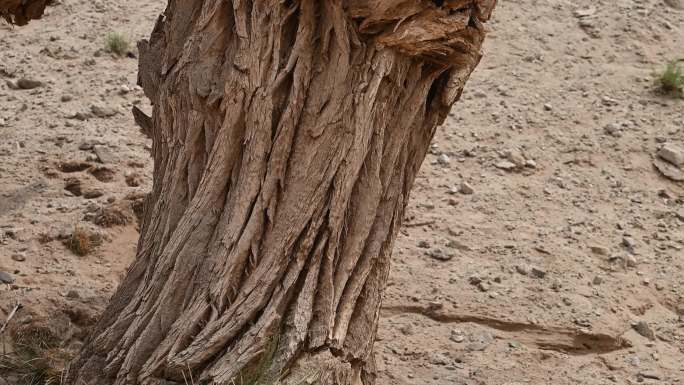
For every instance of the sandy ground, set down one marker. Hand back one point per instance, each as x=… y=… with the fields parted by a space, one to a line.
x=541 y=245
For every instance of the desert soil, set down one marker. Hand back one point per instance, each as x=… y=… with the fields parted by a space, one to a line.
x=541 y=245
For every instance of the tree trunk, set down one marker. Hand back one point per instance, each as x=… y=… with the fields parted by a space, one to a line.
x=287 y=136
x=20 y=12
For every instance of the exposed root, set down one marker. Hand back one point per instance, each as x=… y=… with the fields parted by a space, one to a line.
x=566 y=340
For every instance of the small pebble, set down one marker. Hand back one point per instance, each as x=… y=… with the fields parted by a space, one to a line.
x=28 y=84
x=630 y=261
x=644 y=330
x=466 y=189
x=457 y=336
x=6 y=278
x=538 y=273
x=600 y=250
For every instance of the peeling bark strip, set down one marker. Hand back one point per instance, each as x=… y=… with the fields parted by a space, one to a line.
x=287 y=136
x=20 y=12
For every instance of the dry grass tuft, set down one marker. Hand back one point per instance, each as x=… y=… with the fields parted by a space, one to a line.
x=117 y=44
x=671 y=80
x=39 y=358
x=35 y=337
x=83 y=242
x=40 y=369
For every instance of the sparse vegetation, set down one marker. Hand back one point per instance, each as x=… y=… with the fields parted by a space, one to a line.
x=117 y=44
x=38 y=358
x=82 y=242
x=671 y=80
x=31 y=369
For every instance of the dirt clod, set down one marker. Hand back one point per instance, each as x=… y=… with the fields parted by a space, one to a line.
x=103 y=174
x=112 y=215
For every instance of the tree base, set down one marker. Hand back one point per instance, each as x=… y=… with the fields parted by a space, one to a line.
x=287 y=136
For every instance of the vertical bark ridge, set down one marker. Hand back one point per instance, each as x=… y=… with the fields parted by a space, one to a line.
x=287 y=136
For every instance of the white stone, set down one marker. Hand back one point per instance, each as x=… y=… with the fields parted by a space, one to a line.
x=672 y=153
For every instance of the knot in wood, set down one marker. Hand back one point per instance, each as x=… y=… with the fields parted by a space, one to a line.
x=438 y=31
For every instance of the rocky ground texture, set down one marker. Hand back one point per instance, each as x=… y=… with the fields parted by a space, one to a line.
x=545 y=239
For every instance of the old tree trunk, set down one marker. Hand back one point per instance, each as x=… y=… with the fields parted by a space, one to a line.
x=20 y=12
x=287 y=136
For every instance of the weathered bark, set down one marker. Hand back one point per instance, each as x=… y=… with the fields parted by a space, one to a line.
x=20 y=12
x=287 y=136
